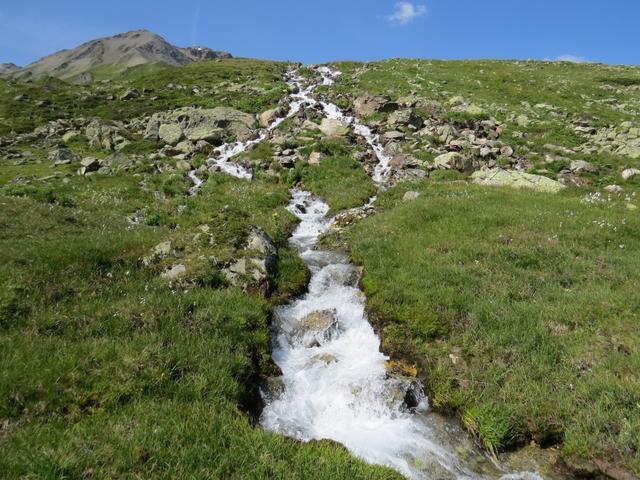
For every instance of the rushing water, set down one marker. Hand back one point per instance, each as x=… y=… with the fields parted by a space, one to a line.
x=334 y=382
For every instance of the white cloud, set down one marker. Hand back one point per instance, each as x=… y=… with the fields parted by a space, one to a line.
x=571 y=58
x=407 y=12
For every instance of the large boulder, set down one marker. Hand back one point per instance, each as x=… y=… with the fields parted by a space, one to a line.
x=61 y=156
x=366 y=105
x=333 y=128
x=105 y=136
x=405 y=118
x=498 y=177
x=268 y=117
x=258 y=265
x=453 y=160
x=170 y=133
x=203 y=123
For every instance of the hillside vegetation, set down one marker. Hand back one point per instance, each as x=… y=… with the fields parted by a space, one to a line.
x=134 y=316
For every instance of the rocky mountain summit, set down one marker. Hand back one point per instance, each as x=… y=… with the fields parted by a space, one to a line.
x=112 y=54
x=8 y=68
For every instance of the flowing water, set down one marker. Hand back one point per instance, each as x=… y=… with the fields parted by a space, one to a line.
x=334 y=382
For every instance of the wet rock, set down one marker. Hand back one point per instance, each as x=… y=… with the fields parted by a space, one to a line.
x=324 y=358
x=508 y=178
x=272 y=389
x=267 y=118
x=315 y=328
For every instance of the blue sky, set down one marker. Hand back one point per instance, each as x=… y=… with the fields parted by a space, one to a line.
x=323 y=30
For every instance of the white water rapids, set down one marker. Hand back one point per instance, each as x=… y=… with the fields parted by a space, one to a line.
x=334 y=383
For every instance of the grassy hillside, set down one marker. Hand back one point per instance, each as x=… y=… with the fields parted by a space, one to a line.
x=107 y=369
x=519 y=308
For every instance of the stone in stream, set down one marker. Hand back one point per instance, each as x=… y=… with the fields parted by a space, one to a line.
x=315 y=328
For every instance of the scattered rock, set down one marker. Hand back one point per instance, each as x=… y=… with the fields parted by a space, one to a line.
x=410 y=196
x=613 y=189
x=130 y=94
x=523 y=121
x=90 y=164
x=628 y=173
x=453 y=160
x=580 y=166
x=62 y=156
x=315 y=158
x=174 y=272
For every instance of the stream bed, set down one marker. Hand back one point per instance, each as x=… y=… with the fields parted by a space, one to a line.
x=335 y=384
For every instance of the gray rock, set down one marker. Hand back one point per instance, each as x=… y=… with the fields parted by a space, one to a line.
x=63 y=155
x=453 y=160
x=581 y=166
x=234 y=123
x=410 y=196
x=174 y=272
x=90 y=164
x=315 y=158
x=333 y=128
x=206 y=133
x=628 y=173
x=508 y=178
x=266 y=118
x=170 y=133
x=130 y=94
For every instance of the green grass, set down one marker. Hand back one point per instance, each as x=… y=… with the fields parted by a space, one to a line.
x=248 y=85
x=532 y=296
x=108 y=371
x=340 y=181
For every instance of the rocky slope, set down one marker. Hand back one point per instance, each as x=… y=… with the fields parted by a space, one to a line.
x=117 y=53
x=8 y=68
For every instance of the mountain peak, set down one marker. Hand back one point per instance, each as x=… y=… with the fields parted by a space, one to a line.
x=119 y=52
